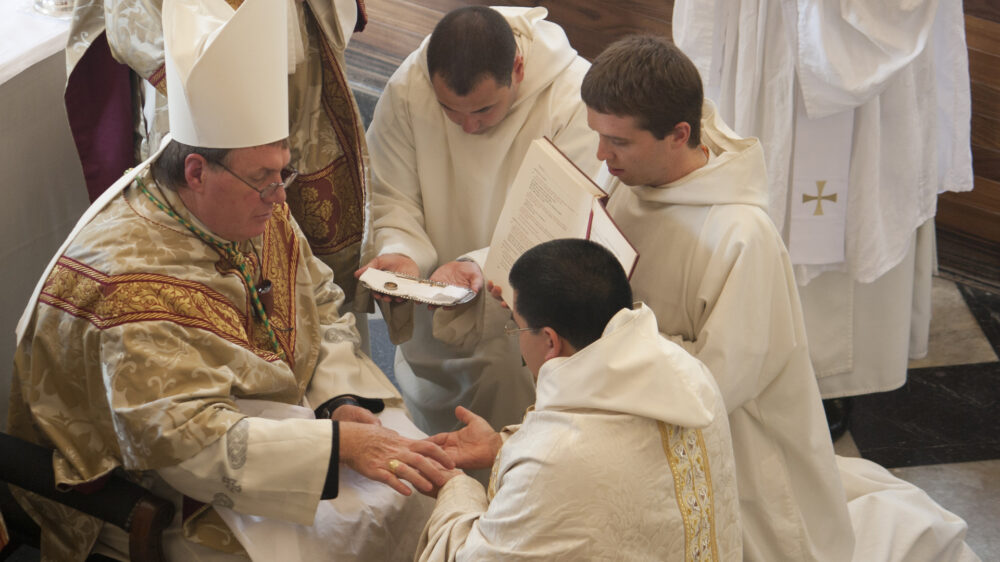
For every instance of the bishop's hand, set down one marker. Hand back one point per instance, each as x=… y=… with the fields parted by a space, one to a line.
x=385 y=456
x=352 y=413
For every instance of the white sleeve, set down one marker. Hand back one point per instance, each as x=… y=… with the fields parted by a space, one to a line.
x=397 y=200
x=272 y=468
x=461 y=502
x=576 y=139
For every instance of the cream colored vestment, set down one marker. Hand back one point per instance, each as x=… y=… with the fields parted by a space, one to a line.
x=437 y=195
x=715 y=271
x=330 y=199
x=626 y=456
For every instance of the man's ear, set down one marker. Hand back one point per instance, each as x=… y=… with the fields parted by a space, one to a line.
x=681 y=133
x=195 y=167
x=555 y=343
x=518 y=74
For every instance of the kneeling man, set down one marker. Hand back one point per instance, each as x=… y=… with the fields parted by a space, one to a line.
x=626 y=453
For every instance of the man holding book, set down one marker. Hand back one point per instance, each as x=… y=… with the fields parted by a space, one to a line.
x=446 y=140
x=692 y=197
x=624 y=460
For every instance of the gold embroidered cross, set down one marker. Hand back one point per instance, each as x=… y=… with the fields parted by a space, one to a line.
x=819 y=197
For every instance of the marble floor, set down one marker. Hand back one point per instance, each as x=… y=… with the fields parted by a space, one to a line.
x=964 y=342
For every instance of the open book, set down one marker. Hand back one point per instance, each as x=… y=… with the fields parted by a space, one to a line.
x=549 y=199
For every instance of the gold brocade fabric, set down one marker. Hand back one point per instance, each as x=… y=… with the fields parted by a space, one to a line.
x=108 y=301
x=330 y=197
x=126 y=363
x=688 y=458
x=205 y=526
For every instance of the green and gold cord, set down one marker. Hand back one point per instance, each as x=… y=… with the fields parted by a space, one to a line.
x=235 y=257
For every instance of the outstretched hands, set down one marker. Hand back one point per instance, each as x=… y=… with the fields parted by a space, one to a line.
x=385 y=456
x=474 y=446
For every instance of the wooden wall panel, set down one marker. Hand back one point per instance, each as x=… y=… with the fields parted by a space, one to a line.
x=591 y=25
x=985 y=131
x=973 y=211
x=979 y=34
x=984 y=67
x=985 y=100
x=976 y=214
x=984 y=9
x=986 y=163
x=396 y=27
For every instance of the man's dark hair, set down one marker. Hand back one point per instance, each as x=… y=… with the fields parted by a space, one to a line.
x=646 y=77
x=168 y=169
x=470 y=44
x=570 y=285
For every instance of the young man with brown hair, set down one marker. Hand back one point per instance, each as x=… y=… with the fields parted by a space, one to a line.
x=692 y=197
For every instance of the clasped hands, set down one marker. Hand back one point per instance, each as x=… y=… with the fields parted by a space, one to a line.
x=459 y=273
x=383 y=455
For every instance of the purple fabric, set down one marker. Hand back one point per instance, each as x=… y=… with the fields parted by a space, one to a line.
x=99 y=106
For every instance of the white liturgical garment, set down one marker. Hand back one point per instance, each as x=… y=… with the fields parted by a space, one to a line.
x=626 y=456
x=716 y=273
x=438 y=192
x=892 y=78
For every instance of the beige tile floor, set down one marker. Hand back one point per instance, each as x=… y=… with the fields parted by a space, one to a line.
x=970 y=490
x=955 y=336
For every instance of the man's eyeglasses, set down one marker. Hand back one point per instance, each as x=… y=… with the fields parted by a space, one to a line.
x=288 y=176
x=511 y=328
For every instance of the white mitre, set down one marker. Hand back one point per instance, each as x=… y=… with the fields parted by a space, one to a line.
x=227 y=72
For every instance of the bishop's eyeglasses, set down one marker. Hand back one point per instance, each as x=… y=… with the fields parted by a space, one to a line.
x=288 y=176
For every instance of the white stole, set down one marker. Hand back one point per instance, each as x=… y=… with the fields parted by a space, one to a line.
x=821 y=162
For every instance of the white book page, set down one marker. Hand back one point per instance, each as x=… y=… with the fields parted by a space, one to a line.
x=605 y=232
x=549 y=199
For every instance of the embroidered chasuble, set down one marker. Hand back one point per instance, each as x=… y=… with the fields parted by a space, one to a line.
x=136 y=353
x=330 y=197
